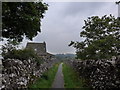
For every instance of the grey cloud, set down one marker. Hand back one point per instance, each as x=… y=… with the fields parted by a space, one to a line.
x=63 y=22
x=83 y=7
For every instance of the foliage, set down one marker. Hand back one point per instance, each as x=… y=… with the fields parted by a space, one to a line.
x=21 y=19
x=65 y=56
x=102 y=38
x=117 y=2
x=9 y=46
x=21 y=54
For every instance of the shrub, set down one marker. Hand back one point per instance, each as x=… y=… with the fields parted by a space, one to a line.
x=22 y=54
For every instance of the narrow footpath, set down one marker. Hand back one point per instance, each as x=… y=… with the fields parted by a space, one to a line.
x=59 y=79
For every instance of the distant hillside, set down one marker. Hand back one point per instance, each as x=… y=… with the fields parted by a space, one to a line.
x=65 y=56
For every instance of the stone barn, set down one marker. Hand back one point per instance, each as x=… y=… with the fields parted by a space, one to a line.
x=40 y=49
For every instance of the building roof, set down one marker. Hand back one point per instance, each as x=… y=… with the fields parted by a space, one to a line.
x=40 y=48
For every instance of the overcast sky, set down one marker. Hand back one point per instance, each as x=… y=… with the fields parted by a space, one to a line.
x=63 y=23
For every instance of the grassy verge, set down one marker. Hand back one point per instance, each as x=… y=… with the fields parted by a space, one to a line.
x=47 y=78
x=71 y=79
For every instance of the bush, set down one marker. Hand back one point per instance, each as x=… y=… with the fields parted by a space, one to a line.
x=22 y=54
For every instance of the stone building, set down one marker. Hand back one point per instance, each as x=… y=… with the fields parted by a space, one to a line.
x=40 y=49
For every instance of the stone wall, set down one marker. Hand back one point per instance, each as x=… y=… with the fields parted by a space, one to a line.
x=101 y=74
x=18 y=74
x=0 y=73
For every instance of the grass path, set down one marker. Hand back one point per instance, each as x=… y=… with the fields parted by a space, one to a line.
x=58 y=81
x=71 y=79
x=47 y=78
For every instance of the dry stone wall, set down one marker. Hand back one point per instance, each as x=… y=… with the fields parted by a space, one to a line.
x=101 y=74
x=18 y=74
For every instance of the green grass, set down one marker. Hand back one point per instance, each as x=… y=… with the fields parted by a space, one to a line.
x=71 y=79
x=47 y=78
